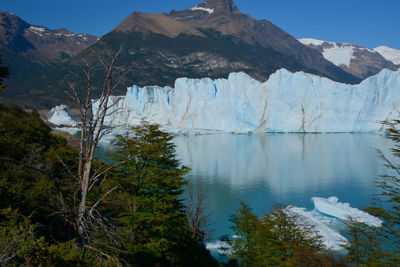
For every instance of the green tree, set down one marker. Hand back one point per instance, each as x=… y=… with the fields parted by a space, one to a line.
x=35 y=181
x=387 y=203
x=20 y=244
x=371 y=246
x=150 y=183
x=28 y=171
x=365 y=245
x=278 y=239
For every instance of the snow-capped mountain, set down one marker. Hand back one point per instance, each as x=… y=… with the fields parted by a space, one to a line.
x=389 y=53
x=355 y=59
x=30 y=50
x=38 y=43
x=286 y=102
x=210 y=39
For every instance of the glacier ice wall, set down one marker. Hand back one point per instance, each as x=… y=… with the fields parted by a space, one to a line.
x=287 y=102
x=59 y=116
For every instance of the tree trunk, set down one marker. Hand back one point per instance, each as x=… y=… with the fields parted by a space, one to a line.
x=82 y=209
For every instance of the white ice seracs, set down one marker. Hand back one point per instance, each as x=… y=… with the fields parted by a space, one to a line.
x=332 y=207
x=330 y=238
x=59 y=116
x=287 y=102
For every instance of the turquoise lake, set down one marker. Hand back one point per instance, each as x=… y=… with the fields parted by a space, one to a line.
x=289 y=169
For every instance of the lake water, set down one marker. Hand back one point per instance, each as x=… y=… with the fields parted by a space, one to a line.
x=267 y=169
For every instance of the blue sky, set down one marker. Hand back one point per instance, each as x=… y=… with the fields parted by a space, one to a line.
x=366 y=22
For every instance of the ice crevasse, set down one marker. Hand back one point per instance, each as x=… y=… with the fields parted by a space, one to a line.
x=286 y=102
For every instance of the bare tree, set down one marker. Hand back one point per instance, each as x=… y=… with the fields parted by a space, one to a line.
x=93 y=128
x=196 y=212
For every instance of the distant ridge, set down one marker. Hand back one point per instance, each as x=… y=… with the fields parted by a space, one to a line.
x=29 y=50
x=389 y=53
x=358 y=60
x=210 y=39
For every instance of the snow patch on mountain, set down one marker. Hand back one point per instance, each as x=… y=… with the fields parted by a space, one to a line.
x=208 y=10
x=338 y=54
x=287 y=102
x=37 y=30
x=311 y=41
x=389 y=53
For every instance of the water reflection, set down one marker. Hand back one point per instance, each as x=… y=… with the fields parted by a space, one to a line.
x=281 y=168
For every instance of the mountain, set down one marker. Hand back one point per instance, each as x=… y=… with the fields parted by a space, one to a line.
x=29 y=50
x=355 y=59
x=390 y=54
x=286 y=102
x=211 y=39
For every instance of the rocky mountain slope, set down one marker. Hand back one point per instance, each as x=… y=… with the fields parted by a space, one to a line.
x=357 y=60
x=211 y=39
x=30 y=50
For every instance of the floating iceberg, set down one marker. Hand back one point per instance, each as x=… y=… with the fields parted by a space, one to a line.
x=332 y=207
x=326 y=218
x=220 y=247
x=330 y=238
x=59 y=116
x=287 y=102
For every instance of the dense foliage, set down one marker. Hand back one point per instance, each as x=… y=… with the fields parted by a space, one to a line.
x=3 y=74
x=145 y=217
x=277 y=239
x=32 y=182
x=152 y=218
x=381 y=246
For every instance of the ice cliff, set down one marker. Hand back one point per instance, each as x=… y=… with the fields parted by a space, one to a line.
x=59 y=116
x=287 y=102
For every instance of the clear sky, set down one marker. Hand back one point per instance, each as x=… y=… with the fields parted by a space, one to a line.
x=366 y=22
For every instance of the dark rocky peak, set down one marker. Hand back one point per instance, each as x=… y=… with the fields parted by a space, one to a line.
x=205 y=9
x=224 y=6
x=12 y=23
x=63 y=30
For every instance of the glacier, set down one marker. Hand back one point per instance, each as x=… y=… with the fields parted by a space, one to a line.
x=59 y=116
x=286 y=102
